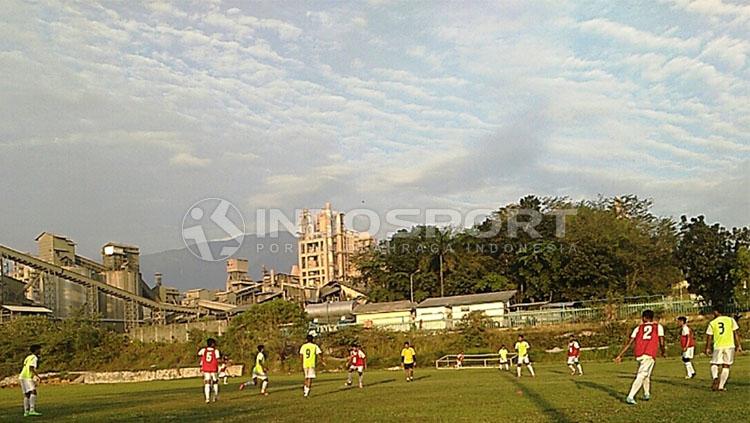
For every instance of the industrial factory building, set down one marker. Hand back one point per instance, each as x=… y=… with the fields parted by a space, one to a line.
x=61 y=283
x=326 y=249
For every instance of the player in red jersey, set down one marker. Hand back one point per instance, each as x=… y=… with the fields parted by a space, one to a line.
x=357 y=362
x=649 y=339
x=574 y=354
x=209 y=357
x=460 y=360
x=687 y=342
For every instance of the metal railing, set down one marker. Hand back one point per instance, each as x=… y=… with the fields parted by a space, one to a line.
x=471 y=361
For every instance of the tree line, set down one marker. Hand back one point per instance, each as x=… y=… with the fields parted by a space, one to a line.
x=556 y=249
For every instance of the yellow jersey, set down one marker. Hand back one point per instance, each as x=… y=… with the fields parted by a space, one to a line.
x=260 y=359
x=309 y=352
x=722 y=329
x=407 y=355
x=503 y=354
x=522 y=348
x=30 y=361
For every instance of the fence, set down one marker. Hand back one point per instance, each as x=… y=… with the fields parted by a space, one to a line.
x=176 y=331
x=471 y=361
x=543 y=317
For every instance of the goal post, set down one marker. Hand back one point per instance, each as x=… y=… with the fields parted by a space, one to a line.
x=472 y=361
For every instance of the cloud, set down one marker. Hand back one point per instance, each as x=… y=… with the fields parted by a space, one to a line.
x=188 y=160
x=728 y=51
x=636 y=37
x=394 y=106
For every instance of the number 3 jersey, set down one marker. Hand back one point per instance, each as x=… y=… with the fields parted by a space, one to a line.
x=646 y=336
x=722 y=329
x=209 y=359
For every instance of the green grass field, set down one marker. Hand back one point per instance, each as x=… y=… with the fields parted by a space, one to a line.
x=437 y=395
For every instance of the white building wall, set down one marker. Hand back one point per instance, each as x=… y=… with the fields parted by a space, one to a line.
x=433 y=318
x=491 y=310
x=393 y=320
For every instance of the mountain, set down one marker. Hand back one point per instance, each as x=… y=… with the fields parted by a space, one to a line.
x=183 y=270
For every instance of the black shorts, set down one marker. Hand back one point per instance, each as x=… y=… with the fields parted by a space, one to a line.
x=408 y=365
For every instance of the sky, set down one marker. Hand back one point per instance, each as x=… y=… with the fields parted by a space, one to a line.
x=116 y=117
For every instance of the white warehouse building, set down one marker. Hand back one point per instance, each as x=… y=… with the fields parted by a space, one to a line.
x=444 y=312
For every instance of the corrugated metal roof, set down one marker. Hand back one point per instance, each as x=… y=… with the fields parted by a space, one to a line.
x=404 y=305
x=490 y=297
x=26 y=309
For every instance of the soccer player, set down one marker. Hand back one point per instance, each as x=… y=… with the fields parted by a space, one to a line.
x=260 y=372
x=574 y=355
x=503 y=352
x=28 y=380
x=460 y=360
x=687 y=342
x=649 y=339
x=723 y=335
x=357 y=363
x=224 y=370
x=522 y=349
x=309 y=352
x=209 y=357
x=408 y=361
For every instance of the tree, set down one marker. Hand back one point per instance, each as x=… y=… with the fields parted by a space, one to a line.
x=707 y=258
x=280 y=325
x=741 y=276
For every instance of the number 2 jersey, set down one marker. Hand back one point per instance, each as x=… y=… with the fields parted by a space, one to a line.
x=209 y=359
x=646 y=336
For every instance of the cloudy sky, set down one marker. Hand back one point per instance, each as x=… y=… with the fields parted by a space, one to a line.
x=115 y=118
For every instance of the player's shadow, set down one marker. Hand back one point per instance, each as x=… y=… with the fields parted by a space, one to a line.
x=547 y=408
x=380 y=382
x=418 y=378
x=606 y=389
x=684 y=383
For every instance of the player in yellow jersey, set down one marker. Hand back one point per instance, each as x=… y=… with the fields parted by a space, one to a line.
x=723 y=335
x=309 y=353
x=503 y=352
x=260 y=372
x=28 y=380
x=408 y=361
x=522 y=349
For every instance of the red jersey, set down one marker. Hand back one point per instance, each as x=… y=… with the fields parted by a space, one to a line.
x=574 y=350
x=209 y=360
x=357 y=358
x=687 y=339
x=646 y=337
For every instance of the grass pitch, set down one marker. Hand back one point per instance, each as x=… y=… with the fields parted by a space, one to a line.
x=468 y=395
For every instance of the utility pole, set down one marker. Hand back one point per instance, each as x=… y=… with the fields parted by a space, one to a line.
x=411 y=284
x=442 y=285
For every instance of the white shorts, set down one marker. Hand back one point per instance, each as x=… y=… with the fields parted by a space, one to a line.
x=645 y=365
x=572 y=360
x=503 y=361
x=27 y=385
x=358 y=369
x=210 y=377
x=523 y=360
x=259 y=375
x=723 y=356
x=309 y=372
x=689 y=353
